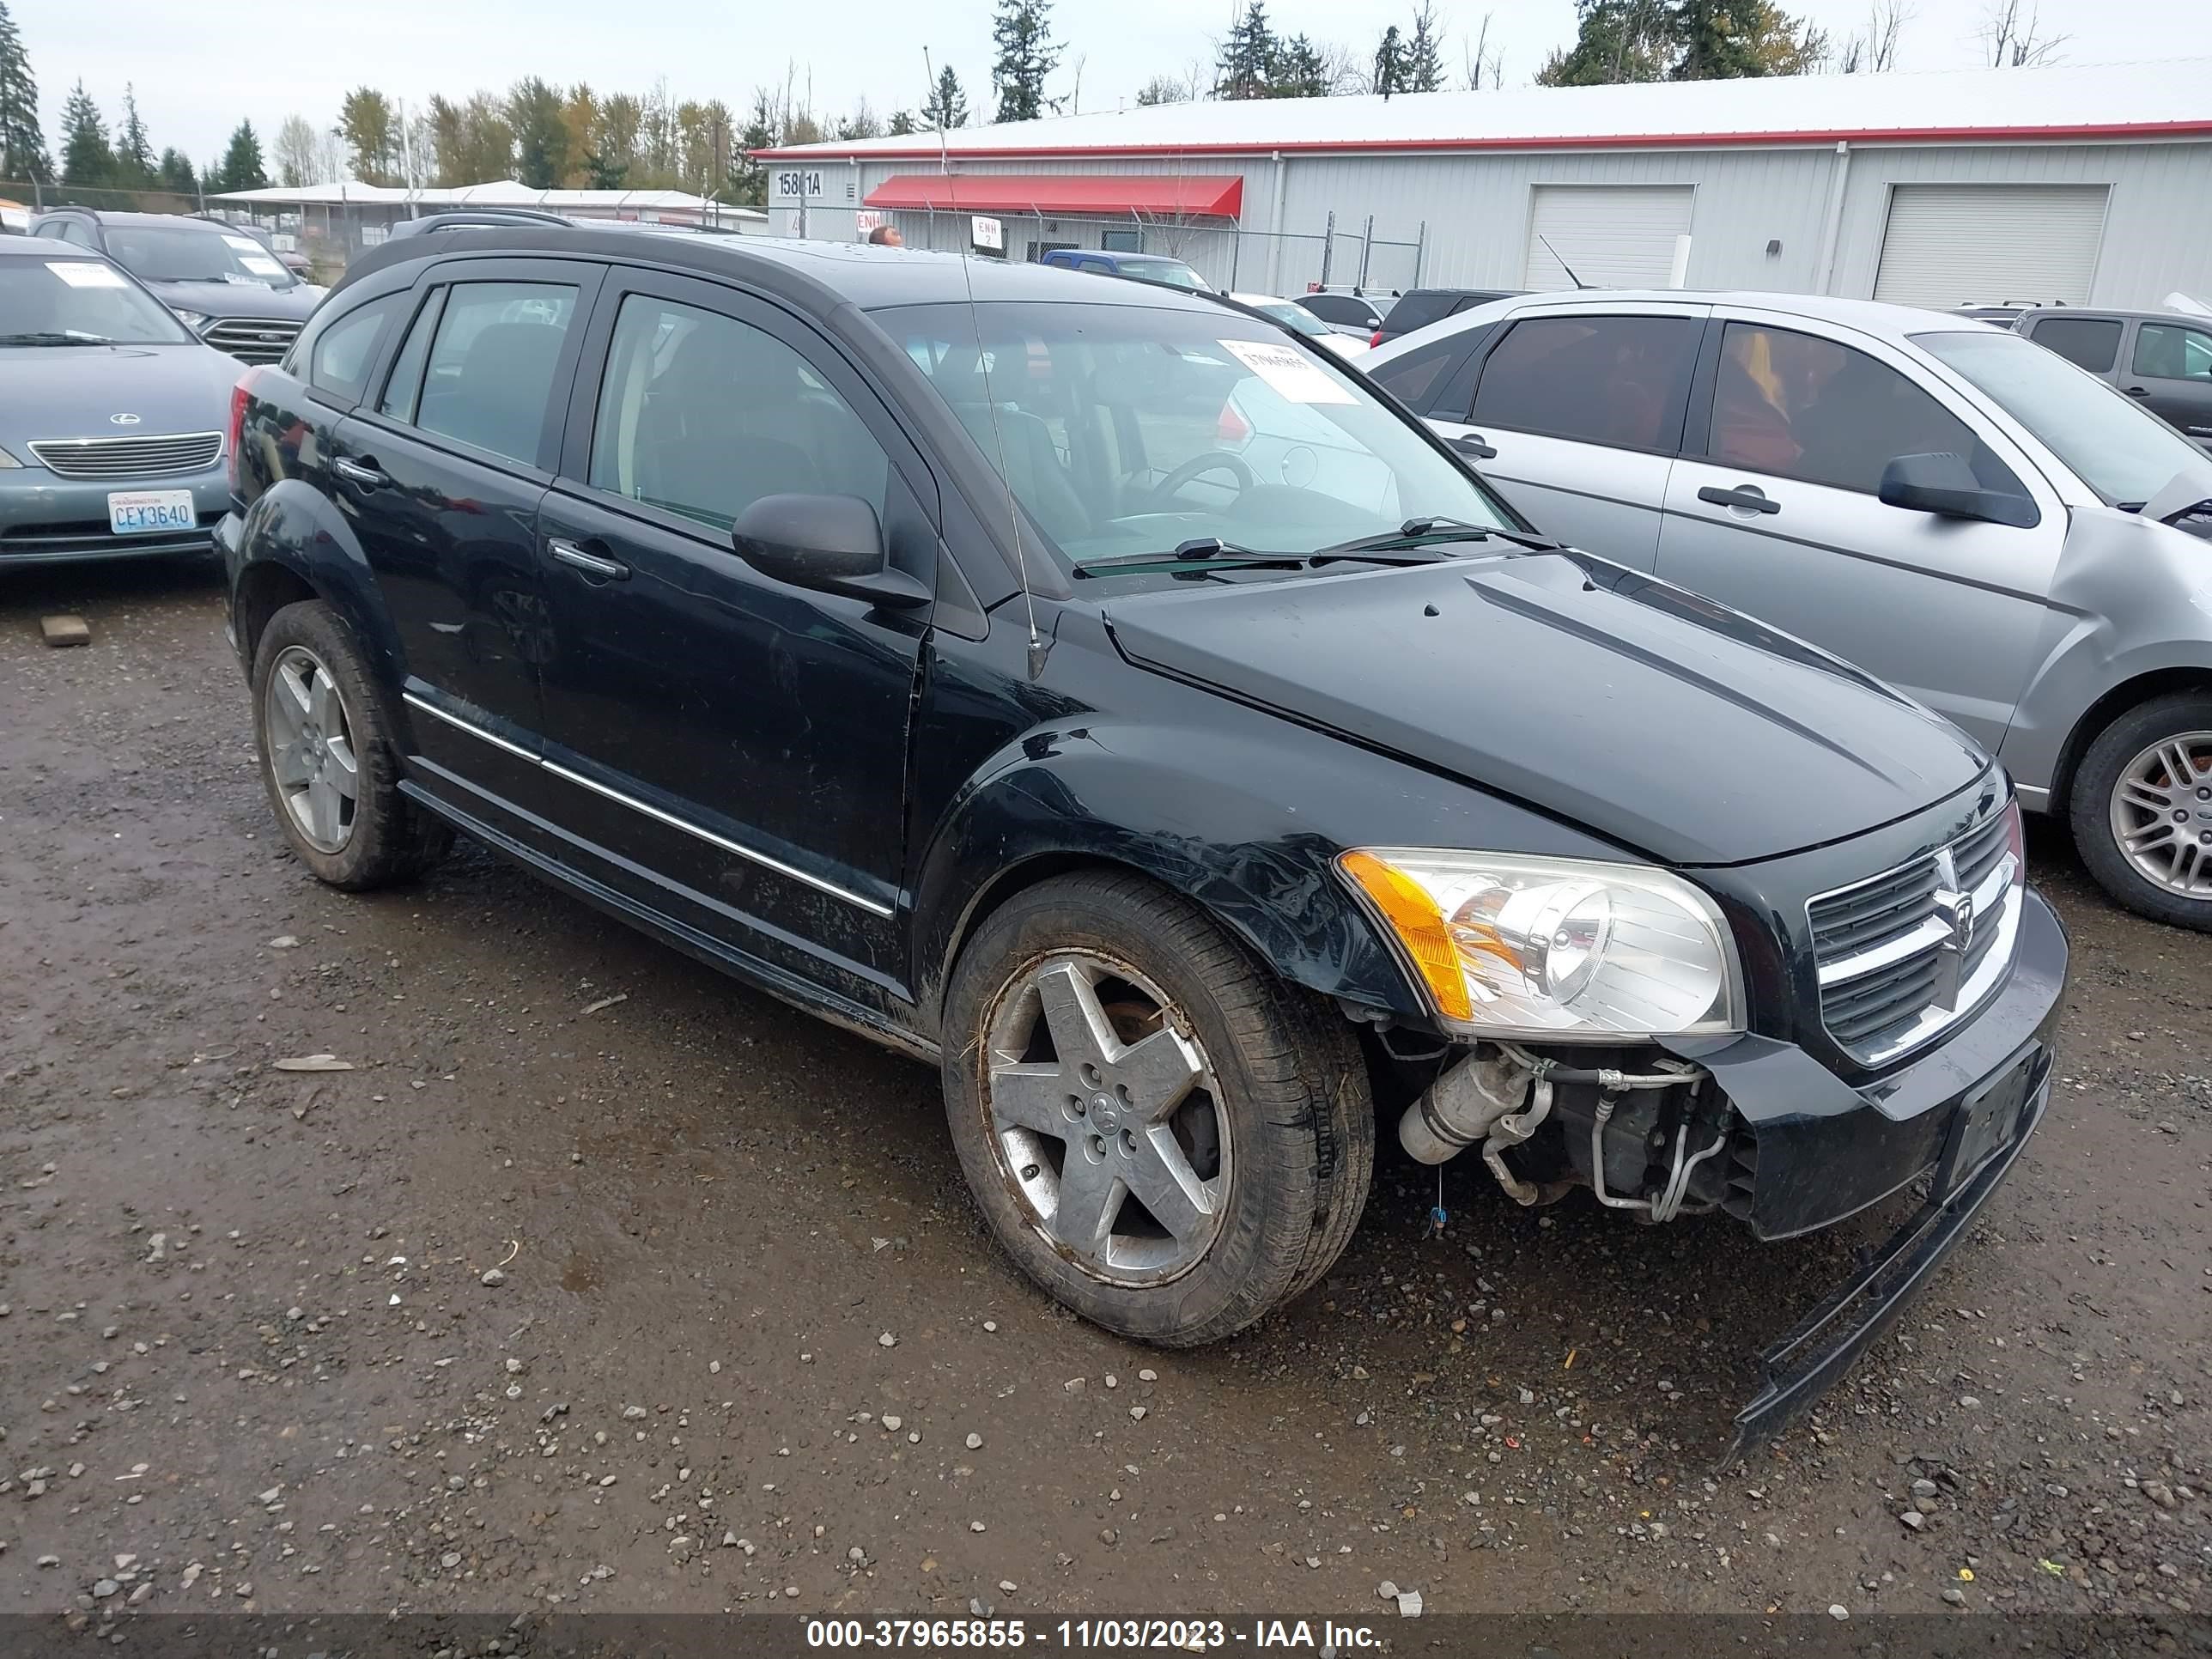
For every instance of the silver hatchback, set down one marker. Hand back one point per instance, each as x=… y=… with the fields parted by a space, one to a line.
x=1952 y=508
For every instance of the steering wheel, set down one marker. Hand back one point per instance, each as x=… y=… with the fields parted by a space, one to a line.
x=1213 y=460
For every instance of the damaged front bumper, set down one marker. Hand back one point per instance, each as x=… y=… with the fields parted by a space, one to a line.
x=1817 y=1151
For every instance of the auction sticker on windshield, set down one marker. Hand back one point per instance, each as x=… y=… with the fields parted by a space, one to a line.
x=85 y=273
x=1289 y=371
x=145 y=512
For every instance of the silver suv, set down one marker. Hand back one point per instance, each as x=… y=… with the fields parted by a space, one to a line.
x=1954 y=509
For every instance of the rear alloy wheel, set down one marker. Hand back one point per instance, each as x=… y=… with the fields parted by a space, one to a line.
x=2142 y=809
x=327 y=758
x=1161 y=1131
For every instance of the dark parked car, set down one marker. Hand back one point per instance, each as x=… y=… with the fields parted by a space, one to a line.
x=2162 y=359
x=290 y=258
x=229 y=288
x=952 y=683
x=1349 y=310
x=112 y=414
x=1420 y=307
x=1156 y=268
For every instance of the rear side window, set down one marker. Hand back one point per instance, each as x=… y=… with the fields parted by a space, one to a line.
x=345 y=350
x=1412 y=379
x=702 y=415
x=1418 y=310
x=1796 y=406
x=1620 y=381
x=2093 y=342
x=489 y=377
x=1340 y=308
x=2167 y=351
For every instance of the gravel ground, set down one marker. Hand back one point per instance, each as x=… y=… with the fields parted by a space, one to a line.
x=599 y=1282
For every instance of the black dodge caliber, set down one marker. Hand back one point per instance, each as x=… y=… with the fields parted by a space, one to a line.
x=1091 y=691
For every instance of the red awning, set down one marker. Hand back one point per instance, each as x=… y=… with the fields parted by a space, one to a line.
x=1110 y=193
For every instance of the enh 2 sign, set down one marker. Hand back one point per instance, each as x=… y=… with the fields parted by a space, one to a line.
x=987 y=234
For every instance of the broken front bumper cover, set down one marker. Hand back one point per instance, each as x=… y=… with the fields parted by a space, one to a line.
x=1959 y=1116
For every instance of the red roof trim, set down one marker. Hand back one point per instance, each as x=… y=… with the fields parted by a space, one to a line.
x=1062 y=192
x=2121 y=130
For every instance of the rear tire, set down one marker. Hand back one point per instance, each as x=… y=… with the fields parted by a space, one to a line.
x=1106 y=1041
x=2141 y=809
x=327 y=760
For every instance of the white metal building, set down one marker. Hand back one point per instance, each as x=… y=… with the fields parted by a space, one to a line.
x=2088 y=184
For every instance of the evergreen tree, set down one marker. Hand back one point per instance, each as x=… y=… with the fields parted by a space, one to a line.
x=902 y=122
x=175 y=172
x=134 y=154
x=1390 y=63
x=603 y=170
x=1424 y=61
x=1246 y=67
x=22 y=141
x=541 y=136
x=86 y=158
x=948 y=104
x=241 y=168
x=1299 y=70
x=1615 y=41
x=761 y=131
x=1022 y=34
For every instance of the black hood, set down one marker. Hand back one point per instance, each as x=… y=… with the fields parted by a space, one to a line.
x=1650 y=715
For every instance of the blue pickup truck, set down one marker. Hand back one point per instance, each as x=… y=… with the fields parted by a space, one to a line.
x=1138 y=267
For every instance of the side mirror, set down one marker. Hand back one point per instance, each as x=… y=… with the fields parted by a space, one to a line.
x=831 y=544
x=1945 y=484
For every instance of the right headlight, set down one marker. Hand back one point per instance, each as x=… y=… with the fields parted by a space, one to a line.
x=1510 y=946
x=194 y=320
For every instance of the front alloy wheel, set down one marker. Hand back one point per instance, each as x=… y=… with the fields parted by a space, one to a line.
x=1160 y=1129
x=311 y=749
x=2161 y=814
x=1103 y=1119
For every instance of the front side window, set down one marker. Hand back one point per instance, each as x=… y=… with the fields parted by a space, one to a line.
x=490 y=378
x=2092 y=342
x=1620 y=381
x=2167 y=351
x=403 y=388
x=1132 y=428
x=65 y=300
x=701 y=415
x=1798 y=406
x=2121 y=451
x=343 y=351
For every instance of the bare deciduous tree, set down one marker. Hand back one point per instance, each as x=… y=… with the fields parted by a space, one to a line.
x=1485 y=67
x=2015 y=38
x=1873 y=50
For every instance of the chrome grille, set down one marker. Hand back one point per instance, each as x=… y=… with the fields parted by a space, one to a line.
x=1903 y=954
x=129 y=458
x=252 y=339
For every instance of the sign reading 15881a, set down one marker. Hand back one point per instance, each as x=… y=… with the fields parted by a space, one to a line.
x=800 y=184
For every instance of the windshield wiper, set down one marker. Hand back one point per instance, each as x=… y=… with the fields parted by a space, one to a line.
x=1414 y=534
x=1201 y=549
x=55 y=338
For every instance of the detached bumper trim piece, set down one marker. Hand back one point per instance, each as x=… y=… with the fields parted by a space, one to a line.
x=1804 y=1363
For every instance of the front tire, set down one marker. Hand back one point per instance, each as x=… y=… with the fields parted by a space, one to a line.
x=2141 y=809
x=1161 y=1131
x=327 y=759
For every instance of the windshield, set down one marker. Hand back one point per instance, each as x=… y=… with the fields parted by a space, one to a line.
x=1127 y=429
x=1168 y=273
x=1297 y=319
x=2123 y=452
x=63 y=301
x=195 y=253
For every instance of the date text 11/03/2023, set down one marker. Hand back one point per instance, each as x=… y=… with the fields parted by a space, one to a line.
x=1319 y=1636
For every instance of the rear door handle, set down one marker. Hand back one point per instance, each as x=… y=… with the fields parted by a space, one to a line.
x=1743 y=496
x=2136 y=391
x=367 y=474
x=1471 y=443
x=591 y=564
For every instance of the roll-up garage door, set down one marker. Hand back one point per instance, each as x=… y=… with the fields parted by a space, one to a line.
x=1610 y=235
x=1960 y=245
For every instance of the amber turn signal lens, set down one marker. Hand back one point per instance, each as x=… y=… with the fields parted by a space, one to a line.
x=1413 y=916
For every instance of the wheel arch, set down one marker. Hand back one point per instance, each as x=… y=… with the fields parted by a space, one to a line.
x=2131 y=693
x=295 y=544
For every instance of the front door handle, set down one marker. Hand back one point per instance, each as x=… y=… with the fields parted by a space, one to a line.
x=1471 y=443
x=1744 y=497
x=2136 y=391
x=591 y=564
x=367 y=474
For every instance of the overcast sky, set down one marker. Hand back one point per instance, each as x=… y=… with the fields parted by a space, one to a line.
x=197 y=72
